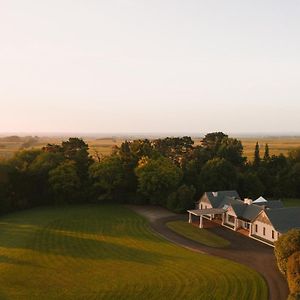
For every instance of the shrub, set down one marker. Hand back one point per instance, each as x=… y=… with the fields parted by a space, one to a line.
x=293 y=273
x=286 y=245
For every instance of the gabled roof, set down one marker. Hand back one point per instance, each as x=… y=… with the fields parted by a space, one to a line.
x=239 y=208
x=229 y=200
x=284 y=219
x=216 y=198
x=252 y=211
x=245 y=211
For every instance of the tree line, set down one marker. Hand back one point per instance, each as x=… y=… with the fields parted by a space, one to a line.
x=172 y=172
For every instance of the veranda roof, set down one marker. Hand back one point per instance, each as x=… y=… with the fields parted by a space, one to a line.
x=208 y=211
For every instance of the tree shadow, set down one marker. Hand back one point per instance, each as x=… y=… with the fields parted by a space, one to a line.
x=15 y=261
x=56 y=242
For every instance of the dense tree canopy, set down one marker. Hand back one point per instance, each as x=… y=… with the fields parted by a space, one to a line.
x=157 y=178
x=168 y=171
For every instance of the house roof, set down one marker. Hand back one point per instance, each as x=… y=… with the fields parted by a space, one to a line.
x=271 y=204
x=252 y=211
x=229 y=200
x=284 y=219
x=216 y=198
x=245 y=211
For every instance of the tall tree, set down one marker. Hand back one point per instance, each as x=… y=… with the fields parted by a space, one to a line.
x=218 y=174
x=212 y=141
x=232 y=150
x=267 y=153
x=257 y=158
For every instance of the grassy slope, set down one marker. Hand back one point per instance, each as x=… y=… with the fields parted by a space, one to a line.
x=202 y=236
x=108 y=252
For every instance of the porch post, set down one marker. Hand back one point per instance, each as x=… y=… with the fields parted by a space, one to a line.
x=235 y=224
x=190 y=217
x=201 y=222
x=211 y=217
x=223 y=218
x=250 y=229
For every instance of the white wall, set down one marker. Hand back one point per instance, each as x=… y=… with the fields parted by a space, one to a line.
x=268 y=231
x=204 y=205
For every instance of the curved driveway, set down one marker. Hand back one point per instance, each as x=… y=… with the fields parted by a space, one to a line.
x=243 y=250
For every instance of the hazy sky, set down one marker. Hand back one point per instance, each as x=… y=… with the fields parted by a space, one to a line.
x=149 y=66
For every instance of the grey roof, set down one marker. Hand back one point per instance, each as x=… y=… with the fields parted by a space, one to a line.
x=271 y=204
x=252 y=211
x=284 y=219
x=229 y=200
x=216 y=198
x=245 y=211
x=239 y=208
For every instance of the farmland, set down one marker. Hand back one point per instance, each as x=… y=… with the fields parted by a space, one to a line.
x=105 y=145
x=109 y=252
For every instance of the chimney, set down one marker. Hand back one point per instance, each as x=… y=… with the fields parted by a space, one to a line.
x=248 y=201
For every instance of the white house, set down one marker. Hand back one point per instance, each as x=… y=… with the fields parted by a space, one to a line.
x=260 y=219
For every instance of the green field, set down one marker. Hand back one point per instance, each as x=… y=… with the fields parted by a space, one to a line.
x=196 y=234
x=109 y=252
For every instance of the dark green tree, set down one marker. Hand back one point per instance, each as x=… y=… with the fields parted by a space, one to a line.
x=157 y=178
x=232 y=150
x=182 y=199
x=213 y=141
x=108 y=177
x=267 y=153
x=65 y=182
x=257 y=158
x=250 y=185
x=218 y=174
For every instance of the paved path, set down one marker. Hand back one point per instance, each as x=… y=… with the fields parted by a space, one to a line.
x=243 y=250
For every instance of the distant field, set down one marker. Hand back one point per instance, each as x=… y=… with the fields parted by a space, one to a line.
x=104 y=146
x=109 y=252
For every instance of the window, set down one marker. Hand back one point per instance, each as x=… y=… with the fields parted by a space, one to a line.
x=264 y=231
x=256 y=228
x=272 y=234
x=200 y=206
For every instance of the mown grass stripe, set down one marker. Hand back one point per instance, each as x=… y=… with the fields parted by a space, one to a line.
x=109 y=252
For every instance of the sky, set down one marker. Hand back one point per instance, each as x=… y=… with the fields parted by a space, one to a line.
x=136 y=66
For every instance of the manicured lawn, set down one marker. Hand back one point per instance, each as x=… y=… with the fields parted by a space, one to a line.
x=291 y=202
x=109 y=252
x=201 y=236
